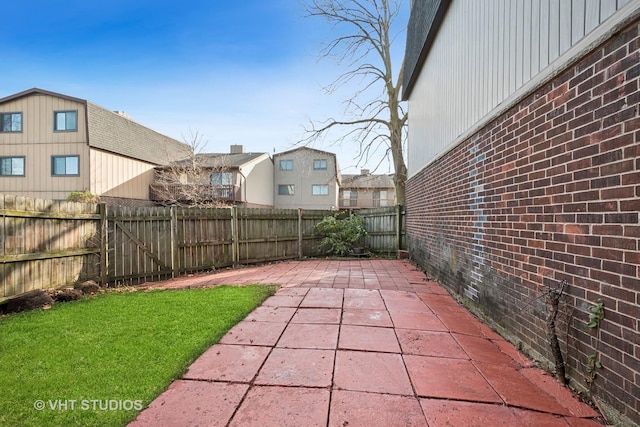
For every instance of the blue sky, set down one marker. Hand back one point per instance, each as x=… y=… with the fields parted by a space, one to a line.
x=238 y=72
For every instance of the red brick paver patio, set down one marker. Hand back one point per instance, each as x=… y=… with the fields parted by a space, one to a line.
x=359 y=343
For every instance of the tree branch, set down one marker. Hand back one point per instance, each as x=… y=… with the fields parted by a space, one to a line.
x=363 y=46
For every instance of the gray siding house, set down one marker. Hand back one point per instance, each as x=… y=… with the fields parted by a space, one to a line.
x=306 y=178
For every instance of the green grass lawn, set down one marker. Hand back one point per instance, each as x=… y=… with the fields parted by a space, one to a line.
x=122 y=347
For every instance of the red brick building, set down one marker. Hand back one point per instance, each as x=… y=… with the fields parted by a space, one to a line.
x=524 y=171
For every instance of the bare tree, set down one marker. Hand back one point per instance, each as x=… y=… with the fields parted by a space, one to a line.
x=365 y=50
x=201 y=180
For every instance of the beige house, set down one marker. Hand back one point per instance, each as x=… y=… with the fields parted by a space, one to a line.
x=234 y=178
x=367 y=191
x=54 y=144
x=306 y=178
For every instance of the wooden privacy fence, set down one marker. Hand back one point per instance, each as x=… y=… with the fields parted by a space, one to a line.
x=153 y=243
x=385 y=228
x=47 y=244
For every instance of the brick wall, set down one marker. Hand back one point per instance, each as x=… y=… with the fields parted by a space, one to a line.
x=548 y=191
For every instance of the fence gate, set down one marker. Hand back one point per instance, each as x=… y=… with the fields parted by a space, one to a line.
x=203 y=239
x=139 y=244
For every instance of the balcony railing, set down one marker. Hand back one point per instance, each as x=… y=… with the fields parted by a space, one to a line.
x=362 y=203
x=194 y=192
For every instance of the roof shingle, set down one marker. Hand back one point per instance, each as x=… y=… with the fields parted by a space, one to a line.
x=367 y=181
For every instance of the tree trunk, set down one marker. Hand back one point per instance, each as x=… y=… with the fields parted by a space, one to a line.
x=395 y=141
x=399 y=180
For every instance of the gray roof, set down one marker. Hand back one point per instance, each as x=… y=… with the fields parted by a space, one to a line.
x=110 y=131
x=366 y=181
x=35 y=90
x=216 y=160
x=328 y=153
x=424 y=22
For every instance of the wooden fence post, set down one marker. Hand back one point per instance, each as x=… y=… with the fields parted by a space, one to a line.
x=300 y=254
x=174 y=242
x=235 y=247
x=399 y=226
x=104 y=244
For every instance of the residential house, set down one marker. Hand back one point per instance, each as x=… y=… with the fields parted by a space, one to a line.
x=306 y=178
x=54 y=144
x=234 y=178
x=366 y=191
x=523 y=160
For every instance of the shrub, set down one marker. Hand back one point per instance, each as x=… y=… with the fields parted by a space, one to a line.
x=83 y=197
x=339 y=235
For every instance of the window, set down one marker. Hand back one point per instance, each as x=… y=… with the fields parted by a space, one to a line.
x=350 y=194
x=11 y=122
x=380 y=198
x=286 y=190
x=320 y=164
x=11 y=166
x=350 y=198
x=65 y=165
x=320 y=190
x=65 y=121
x=286 y=165
x=221 y=178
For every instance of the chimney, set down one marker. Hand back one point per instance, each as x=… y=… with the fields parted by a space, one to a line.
x=364 y=171
x=237 y=149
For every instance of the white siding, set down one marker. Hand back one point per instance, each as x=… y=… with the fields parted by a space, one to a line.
x=483 y=54
x=258 y=183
